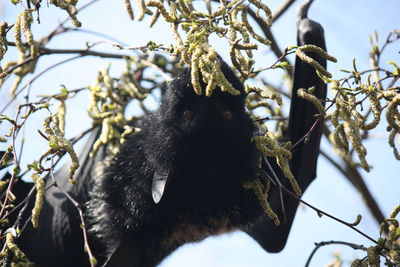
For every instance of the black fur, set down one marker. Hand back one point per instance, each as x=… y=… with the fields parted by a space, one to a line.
x=201 y=146
x=208 y=157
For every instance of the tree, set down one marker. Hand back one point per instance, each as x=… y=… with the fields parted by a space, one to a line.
x=376 y=95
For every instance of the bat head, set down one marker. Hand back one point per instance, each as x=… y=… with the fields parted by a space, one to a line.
x=220 y=115
x=204 y=138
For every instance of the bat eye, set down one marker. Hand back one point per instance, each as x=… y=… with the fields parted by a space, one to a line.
x=227 y=115
x=188 y=114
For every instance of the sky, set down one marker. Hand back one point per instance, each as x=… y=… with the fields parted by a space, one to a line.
x=347 y=27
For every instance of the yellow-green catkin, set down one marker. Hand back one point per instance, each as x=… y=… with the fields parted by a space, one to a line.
x=40 y=190
x=129 y=9
x=269 y=146
x=19 y=259
x=160 y=7
x=300 y=52
x=262 y=196
x=313 y=99
x=70 y=7
x=373 y=257
x=392 y=113
x=3 y=40
x=58 y=142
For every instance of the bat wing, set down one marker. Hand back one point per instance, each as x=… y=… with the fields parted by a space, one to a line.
x=304 y=156
x=20 y=190
x=58 y=240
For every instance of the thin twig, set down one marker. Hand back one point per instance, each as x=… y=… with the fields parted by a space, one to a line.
x=326 y=243
x=100 y=34
x=15 y=130
x=268 y=34
x=273 y=118
x=307 y=135
x=25 y=61
x=83 y=225
x=25 y=202
x=73 y=92
x=352 y=174
x=36 y=77
x=82 y=52
x=319 y=211
x=43 y=50
x=55 y=31
x=281 y=58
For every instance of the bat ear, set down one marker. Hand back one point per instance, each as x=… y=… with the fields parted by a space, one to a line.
x=160 y=179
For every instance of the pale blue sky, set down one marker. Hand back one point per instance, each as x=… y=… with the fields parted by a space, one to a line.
x=347 y=26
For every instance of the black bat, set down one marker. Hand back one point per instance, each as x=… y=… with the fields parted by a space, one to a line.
x=180 y=179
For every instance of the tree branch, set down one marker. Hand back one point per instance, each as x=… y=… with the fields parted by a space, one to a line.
x=268 y=34
x=84 y=52
x=285 y=6
x=326 y=243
